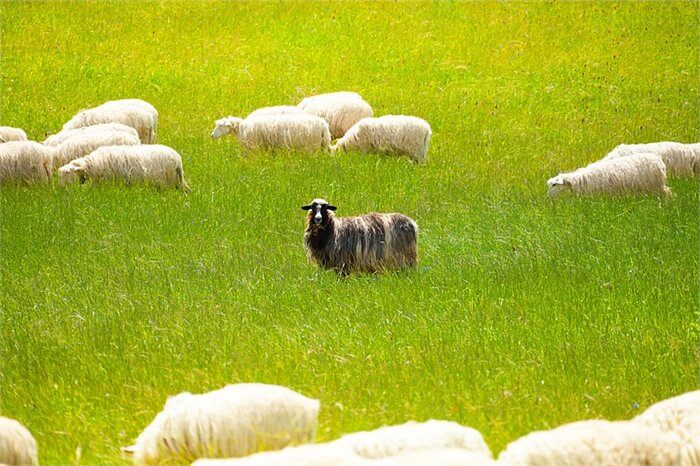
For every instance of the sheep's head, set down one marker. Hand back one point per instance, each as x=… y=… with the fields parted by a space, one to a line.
x=558 y=185
x=72 y=172
x=224 y=126
x=319 y=211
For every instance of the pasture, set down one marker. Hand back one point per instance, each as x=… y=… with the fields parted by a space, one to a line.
x=522 y=314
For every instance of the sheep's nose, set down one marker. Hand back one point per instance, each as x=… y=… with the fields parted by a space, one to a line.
x=318 y=218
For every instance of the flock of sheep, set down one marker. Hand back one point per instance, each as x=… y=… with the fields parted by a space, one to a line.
x=269 y=425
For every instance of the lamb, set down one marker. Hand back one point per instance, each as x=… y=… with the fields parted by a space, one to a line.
x=368 y=243
x=340 y=109
x=298 y=132
x=594 y=443
x=389 y=134
x=25 y=162
x=60 y=137
x=679 y=415
x=8 y=133
x=681 y=159
x=276 y=110
x=81 y=144
x=639 y=173
x=155 y=163
x=17 y=445
x=234 y=421
x=138 y=114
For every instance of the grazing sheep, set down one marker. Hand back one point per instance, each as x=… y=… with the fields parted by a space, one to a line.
x=80 y=145
x=340 y=109
x=594 y=443
x=368 y=243
x=298 y=132
x=25 y=162
x=158 y=164
x=8 y=133
x=234 y=421
x=639 y=173
x=389 y=134
x=60 y=137
x=679 y=415
x=17 y=445
x=136 y=113
x=680 y=159
x=276 y=110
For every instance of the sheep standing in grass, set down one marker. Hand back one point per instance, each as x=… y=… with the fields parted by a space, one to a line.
x=368 y=243
x=276 y=110
x=157 y=164
x=17 y=445
x=25 y=162
x=60 y=137
x=297 y=132
x=389 y=134
x=80 y=145
x=680 y=159
x=639 y=173
x=594 y=443
x=138 y=114
x=234 y=421
x=8 y=133
x=340 y=109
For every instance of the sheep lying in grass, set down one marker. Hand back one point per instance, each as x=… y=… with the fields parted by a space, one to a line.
x=8 y=133
x=594 y=443
x=679 y=415
x=368 y=243
x=297 y=132
x=680 y=159
x=276 y=110
x=138 y=114
x=639 y=173
x=340 y=109
x=80 y=145
x=25 y=162
x=17 y=445
x=389 y=134
x=234 y=421
x=57 y=139
x=160 y=165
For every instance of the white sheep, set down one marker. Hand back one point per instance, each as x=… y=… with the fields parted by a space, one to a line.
x=389 y=134
x=80 y=145
x=639 y=173
x=298 y=132
x=680 y=159
x=435 y=457
x=25 y=161
x=340 y=109
x=8 y=133
x=17 y=445
x=276 y=110
x=155 y=163
x=594 y=443
x=679 y=415
x=234 y=421
x=138 y=114
x=58 y=138
x=323 y=454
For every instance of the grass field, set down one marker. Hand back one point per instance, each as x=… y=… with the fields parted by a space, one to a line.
x=523 y=313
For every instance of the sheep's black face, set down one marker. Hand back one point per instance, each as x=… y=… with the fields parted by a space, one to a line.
x=318 y=211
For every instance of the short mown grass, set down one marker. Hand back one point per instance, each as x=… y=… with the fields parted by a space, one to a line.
x=522 y=314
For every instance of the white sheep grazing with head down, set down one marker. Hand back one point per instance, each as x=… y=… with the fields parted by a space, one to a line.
x=157 y=164
x=680 y=159
x=237 y=420
x=340 y=109
x=80 y=145
x=138 y=114
x=297 y=132
x=276 y=110
x=679 y=415
x=639 y=173
x=17 y=445
x=25 y=162
x=389 y=134
x=60 y=137
x=8 y=133
x=594 y=443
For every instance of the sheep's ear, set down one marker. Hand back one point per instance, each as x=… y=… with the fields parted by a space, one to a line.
x=331 y=207
x=306 y=207
x=566 y=182
x=130 y=450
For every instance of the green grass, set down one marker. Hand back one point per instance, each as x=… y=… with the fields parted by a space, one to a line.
x=523 y=313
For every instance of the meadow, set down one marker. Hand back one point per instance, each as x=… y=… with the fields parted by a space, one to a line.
x=524 y=313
